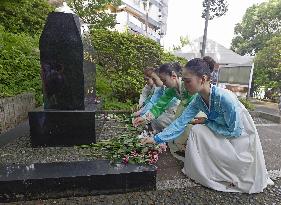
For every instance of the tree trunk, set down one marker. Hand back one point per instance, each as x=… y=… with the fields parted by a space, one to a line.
x=205 y=29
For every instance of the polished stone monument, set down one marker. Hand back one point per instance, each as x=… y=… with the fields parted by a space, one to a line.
x=67 y=119
x=68 y=81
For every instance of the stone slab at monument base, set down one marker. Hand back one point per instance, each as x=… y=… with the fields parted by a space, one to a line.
x=70 y=179
x=62 y=128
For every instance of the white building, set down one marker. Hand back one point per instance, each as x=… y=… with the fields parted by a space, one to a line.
x=146 y=17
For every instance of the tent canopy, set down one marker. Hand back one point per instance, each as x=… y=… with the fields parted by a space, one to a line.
x=220 y=54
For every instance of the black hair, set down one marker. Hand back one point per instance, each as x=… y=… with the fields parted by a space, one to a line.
x=157 y=70
x=168 y=68
x=199 y=67
x=211 y=62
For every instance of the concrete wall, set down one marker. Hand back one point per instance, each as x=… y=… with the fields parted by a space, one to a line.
x=14 y=110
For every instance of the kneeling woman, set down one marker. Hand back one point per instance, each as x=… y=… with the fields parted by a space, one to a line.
x=223 y=152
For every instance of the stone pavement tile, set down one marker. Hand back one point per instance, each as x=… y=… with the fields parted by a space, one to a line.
x=170 y=173
x=169 y=168
x=166 y=159
x=271 y=143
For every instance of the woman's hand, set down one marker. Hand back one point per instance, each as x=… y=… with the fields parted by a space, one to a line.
x=148 y=72
x=198 y=120
x=157 y=81
x=135 y=108
x=136 y=114
x=148 y=140
x=138 y=121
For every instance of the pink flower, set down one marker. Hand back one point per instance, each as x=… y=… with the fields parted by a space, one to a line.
x=152 y=161
x=155 y=157
x=125 y=160
x=134 y=153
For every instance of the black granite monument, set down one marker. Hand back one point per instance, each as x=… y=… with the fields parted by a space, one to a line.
x=68 y=119
x=68 y=81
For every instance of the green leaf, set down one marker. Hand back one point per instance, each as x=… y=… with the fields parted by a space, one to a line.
x=84 y=146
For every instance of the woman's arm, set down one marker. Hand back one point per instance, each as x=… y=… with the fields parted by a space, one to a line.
x=176 y=128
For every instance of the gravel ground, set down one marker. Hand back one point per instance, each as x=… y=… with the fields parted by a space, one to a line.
x=20 y=151
x=190 y=195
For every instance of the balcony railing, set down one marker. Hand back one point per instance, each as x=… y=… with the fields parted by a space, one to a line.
x=141 y=13
x=150 y=33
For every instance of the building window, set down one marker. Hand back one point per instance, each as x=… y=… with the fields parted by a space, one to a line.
x=137 y=2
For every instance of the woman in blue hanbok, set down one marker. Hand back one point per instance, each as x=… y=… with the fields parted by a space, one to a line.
x=223 y=151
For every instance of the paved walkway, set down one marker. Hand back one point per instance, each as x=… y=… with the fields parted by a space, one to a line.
x=268 y=107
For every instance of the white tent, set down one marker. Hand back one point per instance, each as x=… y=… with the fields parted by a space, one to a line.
x=221 y=54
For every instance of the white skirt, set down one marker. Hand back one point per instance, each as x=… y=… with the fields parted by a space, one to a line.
x=227 y=164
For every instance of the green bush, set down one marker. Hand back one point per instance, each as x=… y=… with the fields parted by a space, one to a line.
x=104 y=91
x=123 y=56
x=248 y=105
x=19 y=54
x=24 y=16
x=19 y=65
x=114 y=104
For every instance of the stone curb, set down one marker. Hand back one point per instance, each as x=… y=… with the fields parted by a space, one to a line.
x=267 y=116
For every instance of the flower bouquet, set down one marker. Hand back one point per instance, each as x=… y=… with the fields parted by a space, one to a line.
x=127 y=149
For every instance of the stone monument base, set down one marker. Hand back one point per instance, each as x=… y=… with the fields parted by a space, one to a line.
x=62 y=128
x=70 y=179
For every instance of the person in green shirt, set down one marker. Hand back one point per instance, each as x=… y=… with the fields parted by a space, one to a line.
x=169 y=74
x=167 y=117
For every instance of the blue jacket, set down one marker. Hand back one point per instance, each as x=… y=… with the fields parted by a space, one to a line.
x=223 y=115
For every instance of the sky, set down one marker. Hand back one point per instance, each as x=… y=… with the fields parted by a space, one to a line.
x=184 y=19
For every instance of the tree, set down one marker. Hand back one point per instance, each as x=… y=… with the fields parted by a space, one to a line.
x=26 y=16
x=183 y=42
x=217 y=8
x=267 y=70
x=94 y=13
x=259 y=24
x=212 y=9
